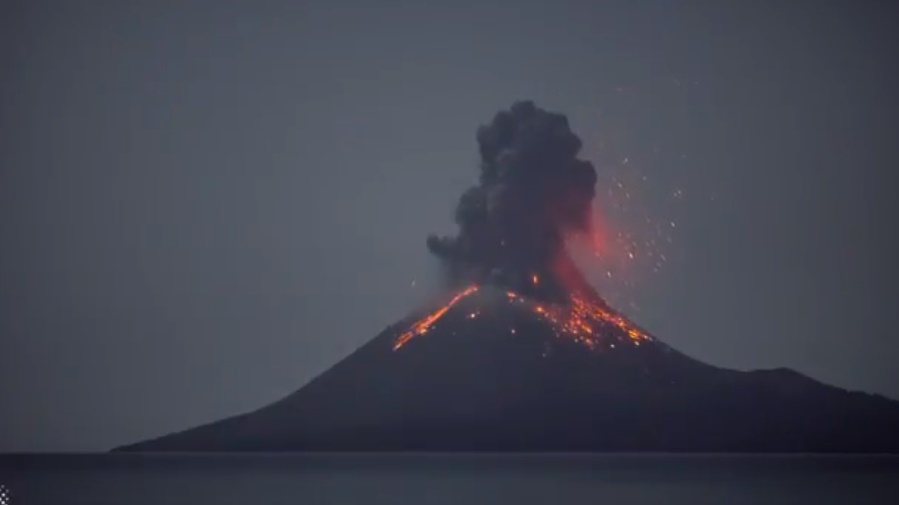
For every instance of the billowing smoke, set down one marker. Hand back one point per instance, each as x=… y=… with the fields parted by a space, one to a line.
x=533 y=192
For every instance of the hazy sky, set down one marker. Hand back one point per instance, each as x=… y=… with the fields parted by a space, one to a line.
x=205 y=204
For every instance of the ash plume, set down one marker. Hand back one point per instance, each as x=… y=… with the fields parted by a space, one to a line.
x=532 y=192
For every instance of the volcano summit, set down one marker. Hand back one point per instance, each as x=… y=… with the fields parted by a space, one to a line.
x=523 y=355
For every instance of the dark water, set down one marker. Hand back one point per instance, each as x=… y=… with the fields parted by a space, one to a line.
x=440 y=478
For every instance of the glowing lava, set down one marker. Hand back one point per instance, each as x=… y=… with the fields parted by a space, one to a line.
x=424 y=324
x=580 y=320
x=584 y=321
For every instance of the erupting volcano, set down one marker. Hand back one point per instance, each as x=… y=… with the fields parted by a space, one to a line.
x=522 y=354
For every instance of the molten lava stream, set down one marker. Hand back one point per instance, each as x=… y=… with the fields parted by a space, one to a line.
x=424 y=324
x=580 y=320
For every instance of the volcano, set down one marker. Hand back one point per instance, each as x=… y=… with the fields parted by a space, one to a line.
x=491 y=370
x=522 y=354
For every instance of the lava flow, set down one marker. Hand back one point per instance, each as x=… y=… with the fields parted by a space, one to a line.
x=424 y=324
x=579 y=319
x=583 y=321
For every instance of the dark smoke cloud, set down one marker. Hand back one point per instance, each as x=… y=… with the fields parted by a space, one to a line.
x=533 y=191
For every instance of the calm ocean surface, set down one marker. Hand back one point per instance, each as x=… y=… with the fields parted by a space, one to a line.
x=443 y=478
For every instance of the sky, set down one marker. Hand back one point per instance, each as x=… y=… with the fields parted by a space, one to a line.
x=203 y=205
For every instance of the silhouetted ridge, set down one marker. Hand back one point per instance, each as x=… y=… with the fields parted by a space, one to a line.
x=471 y=384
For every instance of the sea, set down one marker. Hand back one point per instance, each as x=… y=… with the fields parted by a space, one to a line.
x=420 y=479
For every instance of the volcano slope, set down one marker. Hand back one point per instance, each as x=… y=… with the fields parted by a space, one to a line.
x=491 y=370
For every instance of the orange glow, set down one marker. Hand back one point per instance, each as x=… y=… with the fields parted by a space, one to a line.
x=535 y=279
x=581 y=320
x=424 y=324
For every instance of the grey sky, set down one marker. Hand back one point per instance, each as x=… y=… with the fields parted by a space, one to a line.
x=205 y=204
